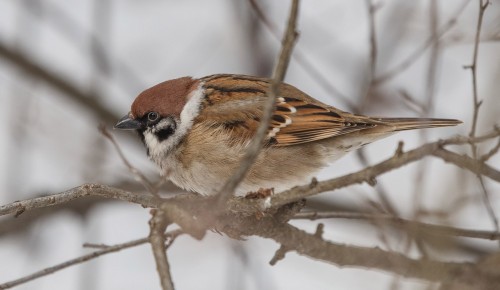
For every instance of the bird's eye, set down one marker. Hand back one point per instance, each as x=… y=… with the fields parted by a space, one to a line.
x=153 y=116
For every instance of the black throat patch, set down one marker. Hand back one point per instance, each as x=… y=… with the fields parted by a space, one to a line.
x=163 y=134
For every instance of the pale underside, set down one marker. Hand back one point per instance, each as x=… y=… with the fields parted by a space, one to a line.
x=205 y=167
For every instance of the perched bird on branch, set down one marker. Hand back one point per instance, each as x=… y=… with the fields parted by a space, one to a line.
x=198 y=130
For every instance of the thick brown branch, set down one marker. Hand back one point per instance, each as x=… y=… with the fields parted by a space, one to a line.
x=343 y=255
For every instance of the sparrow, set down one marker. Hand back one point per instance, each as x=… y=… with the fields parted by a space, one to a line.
x=198 y=130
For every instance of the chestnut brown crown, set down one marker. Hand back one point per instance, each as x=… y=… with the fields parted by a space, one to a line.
x=167 y=98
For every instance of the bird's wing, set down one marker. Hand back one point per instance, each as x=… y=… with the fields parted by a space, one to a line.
x=235 y=103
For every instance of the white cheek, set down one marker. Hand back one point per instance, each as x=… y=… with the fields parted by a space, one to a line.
x=156 y=148
x=159 y=150
x=190 y=111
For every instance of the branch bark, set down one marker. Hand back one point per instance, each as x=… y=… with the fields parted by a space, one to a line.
x=158 y=224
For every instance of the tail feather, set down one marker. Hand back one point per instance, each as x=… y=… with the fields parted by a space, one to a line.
x=401 y=124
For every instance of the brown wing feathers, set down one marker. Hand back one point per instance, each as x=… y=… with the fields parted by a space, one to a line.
x=402 y=124
x=305 y=122
x=235 y=103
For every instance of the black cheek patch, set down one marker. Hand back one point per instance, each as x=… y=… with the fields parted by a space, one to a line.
x=163 y=134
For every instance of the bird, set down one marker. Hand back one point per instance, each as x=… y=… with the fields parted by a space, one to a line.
x=198 y=129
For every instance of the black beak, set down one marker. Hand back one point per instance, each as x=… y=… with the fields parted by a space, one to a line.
x=127 y=123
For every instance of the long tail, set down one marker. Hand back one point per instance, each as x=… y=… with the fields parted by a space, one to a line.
x=402 y=124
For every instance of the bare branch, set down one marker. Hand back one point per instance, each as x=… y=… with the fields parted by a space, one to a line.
x=279 y=255
x=392 y=163
x=419 y=51
x=483 y=4
x=491 y=153
x=279 y=74
x=302 y=59
x=415 y=226
x=135 y=172
x=188 y=211
x=158 y=224
x=105 y=250
x=18 y=207
x=351 y=256
x=373 y=37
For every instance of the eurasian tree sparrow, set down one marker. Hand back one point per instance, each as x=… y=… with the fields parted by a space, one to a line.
x=197 y=131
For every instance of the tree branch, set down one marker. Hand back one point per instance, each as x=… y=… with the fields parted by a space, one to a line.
x=255 y=146
x=18 y=207
x=342 y=255
x=158 y=223
x=368 y=174
x=415 y=226
x=82 y=259
x=419 y=51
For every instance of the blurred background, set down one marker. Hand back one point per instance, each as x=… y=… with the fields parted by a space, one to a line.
x=68 y=66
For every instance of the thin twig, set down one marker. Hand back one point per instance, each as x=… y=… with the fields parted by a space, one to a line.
x=483 y=5
x=373 y=55
x=473 y=67
x=373 y=37
x=81 y=259
x=420 y=50
x=427 y=109
x=490 y=153
x=414 y=225
x=256 y=144
x=301 y=59
x=380 y=190
x=95 y=246
x=157 y=224
x=85 y=190
x=136 y=172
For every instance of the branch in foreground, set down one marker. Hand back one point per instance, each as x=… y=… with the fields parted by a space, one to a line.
x=255 y=146
x=158 y=224
x=106 y=250
x=18 y=207
x=342 y=255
